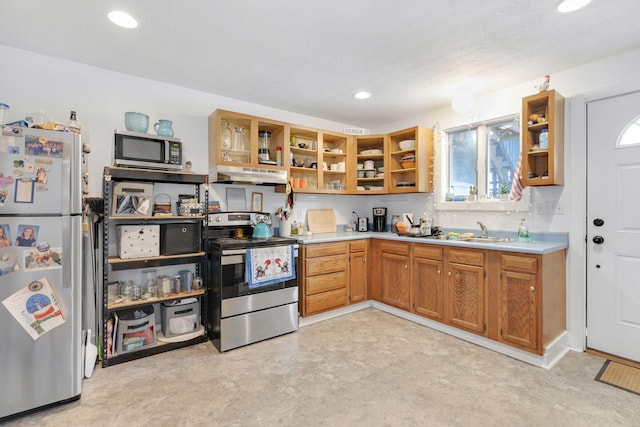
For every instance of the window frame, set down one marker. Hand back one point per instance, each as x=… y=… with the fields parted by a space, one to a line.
x=441 y=185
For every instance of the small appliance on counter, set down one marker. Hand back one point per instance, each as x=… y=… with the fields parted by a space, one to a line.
x=363 y=224
x=380 y=219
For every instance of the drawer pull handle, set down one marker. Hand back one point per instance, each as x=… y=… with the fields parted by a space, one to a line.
x=533 y=288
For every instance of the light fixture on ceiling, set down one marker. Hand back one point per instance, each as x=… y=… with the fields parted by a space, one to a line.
x=362 y=95
x=462 y=101
x=567 y=6
x=122 y=19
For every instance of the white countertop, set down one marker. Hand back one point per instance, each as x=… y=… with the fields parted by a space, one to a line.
x=542 y=243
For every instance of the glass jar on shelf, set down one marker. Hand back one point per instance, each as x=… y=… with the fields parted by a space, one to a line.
x=239 y=139
x=225 y=135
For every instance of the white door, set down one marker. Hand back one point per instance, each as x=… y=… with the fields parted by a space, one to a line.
x=613 y=225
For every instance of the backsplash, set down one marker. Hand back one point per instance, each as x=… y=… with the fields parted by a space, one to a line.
x=538 y=213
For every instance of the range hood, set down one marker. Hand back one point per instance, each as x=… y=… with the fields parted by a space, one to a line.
x=248 y=175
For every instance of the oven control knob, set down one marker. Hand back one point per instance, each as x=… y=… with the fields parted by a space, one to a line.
x=218 y=219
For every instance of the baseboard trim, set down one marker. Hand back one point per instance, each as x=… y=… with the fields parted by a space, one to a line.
x=554 y=352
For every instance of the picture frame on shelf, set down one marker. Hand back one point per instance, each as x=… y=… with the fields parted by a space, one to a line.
x=256 y=202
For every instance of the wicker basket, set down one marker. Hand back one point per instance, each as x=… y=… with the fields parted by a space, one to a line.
x=162 y=207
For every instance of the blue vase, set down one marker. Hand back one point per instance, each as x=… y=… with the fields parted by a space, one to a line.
x=163 y=128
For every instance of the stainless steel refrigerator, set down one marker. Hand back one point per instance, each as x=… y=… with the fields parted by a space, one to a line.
x=40 y=268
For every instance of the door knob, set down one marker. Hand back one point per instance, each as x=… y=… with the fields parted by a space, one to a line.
x=598 y=222
x=598 y=240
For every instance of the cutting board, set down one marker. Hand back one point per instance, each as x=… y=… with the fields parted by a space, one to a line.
x=321 y=220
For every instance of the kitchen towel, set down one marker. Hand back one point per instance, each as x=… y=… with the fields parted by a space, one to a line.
x=516 y=184
x=266 y=266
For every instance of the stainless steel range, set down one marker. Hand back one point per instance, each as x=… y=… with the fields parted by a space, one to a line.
x=253 y=291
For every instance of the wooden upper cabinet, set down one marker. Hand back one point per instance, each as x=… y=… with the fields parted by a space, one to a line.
x=320 y=161
x=402 y=177
x=543 y=139
x=369 y=157
x=234 y=140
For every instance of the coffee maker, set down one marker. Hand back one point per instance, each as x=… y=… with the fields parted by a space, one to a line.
x=379 y=219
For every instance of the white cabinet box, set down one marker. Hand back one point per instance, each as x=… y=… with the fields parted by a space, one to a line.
x=138 y=241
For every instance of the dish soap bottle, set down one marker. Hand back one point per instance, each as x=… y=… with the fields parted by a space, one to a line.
x=523 y=232
x=451 y=194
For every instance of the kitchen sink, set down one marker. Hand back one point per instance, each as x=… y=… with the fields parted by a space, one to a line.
x=486 y=239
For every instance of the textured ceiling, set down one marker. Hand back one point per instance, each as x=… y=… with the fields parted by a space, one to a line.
x=311 y=56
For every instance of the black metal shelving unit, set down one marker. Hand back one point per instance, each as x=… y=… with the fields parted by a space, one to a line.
x=111 y=264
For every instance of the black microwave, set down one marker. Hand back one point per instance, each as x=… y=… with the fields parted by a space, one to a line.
x=141 y=150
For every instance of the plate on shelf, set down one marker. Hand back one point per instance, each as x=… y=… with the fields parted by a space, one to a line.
x=370 y=152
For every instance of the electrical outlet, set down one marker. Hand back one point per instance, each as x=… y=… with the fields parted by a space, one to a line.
x=548 y=208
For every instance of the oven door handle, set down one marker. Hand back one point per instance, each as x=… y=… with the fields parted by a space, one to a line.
x=231 y=260
x=234 y=252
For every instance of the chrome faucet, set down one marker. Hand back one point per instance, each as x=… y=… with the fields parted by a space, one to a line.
x=485 y=232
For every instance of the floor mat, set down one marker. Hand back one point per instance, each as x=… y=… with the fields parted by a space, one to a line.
x=620 y=375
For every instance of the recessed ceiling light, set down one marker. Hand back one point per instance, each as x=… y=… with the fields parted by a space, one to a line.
x=123 y=19
x=567 y=6
x=362 y=95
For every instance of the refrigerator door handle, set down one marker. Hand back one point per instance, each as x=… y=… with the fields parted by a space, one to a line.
x=75 y=249
x=75 y=199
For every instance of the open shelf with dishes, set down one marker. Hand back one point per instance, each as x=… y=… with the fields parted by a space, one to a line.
x=543 y=139
x=333 y=159
x=370 y=164
x=410 y=161
x=303 y=166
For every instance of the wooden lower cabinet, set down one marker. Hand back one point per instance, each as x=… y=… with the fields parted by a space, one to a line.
x=358 y=251
x=466 y=289
x=515 y=298
x=396 y=274
x=325 y=276
x=428 y=287
x=531 y=298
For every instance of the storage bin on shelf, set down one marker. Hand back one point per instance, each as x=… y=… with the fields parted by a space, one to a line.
x=132 y=198
x=180 y=317
x=179 y=238
x=136 y=329
x=138 y=241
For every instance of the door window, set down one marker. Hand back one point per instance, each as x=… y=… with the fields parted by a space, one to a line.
x=630 y=135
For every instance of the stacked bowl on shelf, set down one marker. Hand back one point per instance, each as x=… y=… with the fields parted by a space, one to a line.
x=408 y=161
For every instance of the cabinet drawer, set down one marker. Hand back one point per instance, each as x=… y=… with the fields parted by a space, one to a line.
x=326 y=282
x=324 y=249
x=326 y=301
x=399 y=248
x=427 y=251
x=327 y=264
x=467 y=257
x=358 y=246
x=527 y=264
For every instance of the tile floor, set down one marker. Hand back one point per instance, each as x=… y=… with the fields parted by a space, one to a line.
x=367 y=368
